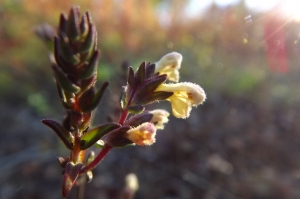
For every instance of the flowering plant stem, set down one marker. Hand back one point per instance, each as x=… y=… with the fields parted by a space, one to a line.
x=106 y=148
x=75 y=64
x=97 y=159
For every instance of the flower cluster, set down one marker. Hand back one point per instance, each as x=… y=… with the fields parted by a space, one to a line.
x=75 y=70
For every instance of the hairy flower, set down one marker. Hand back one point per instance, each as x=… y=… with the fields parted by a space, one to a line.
x=169 y=65
x=143 y=134
x=160 y=117
x=185 y=96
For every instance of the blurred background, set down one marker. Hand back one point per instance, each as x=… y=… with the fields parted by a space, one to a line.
x=242 y=143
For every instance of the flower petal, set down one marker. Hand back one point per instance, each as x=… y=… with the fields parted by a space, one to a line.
x=143 y=134
x=169 y=65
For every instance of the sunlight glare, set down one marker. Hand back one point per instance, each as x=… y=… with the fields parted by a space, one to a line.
x=291 y=9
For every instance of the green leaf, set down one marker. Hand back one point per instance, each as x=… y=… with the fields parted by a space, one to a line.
x=65 y=98
x=136 y=109
x=63 y=81
x=62 y=133
x=96 y=100
x=90 y=40
x=66 y=51
x=91 y=68
x=71 y=173
x=92 y=136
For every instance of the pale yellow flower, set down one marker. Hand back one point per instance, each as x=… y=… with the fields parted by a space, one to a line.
x=186 y=95
x=143 y=134
x=160 y=117
x=169 y=65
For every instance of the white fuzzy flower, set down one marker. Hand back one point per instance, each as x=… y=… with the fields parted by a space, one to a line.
x=160 y=117
x=185 y=96
x=169 y=65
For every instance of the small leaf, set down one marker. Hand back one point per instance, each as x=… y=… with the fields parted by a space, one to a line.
x=62 y=133
x=86 y=84
x=66 y=52
x=97 y=98
x=66 y=67
x=62 y=96
x=92 y=136
x=84 y=26
x=90 y=40
x=150 y=69
x=160 y=95
x=62 y=23
x=73 y=30
x=152 y=83
x=91 y=68
x=148 y=87
x=130 y=79
x=86 y=98
x=140 y=74
x=123 y=97
x=136 y=109
x=63 y=81
x=71 y=173
x=117 y=137
x=136 y=120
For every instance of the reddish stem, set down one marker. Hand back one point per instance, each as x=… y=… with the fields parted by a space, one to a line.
x=97 y=159
x=123 y=117
x=106 y=147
